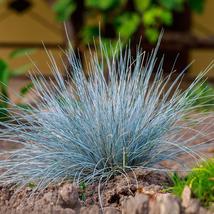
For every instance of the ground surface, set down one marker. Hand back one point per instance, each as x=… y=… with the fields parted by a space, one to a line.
x=138 y=194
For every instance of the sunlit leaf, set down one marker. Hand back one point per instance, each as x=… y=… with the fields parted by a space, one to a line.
x=101 y=4
x=151 y=34
x=64 y=9
x=166 y=17
x=127 y=24
x=142 y=5
x=149 y=16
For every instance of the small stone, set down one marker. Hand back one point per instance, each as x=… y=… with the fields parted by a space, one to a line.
x=48 y=197
x=202 y=211
x=168 y=204
x=111 y=210
x=70 y=196
x=186 y=196
x=60 y=210
x=124 y=199
x=154 y=208
x=193 y=207
x=90 y=210
x=124 y=190
x=136 y=205
x=133 y=188
x=151 y=189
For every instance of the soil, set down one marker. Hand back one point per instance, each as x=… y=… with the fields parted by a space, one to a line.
x=138 y=193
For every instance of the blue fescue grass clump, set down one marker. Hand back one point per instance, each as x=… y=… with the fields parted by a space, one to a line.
x=90 y=128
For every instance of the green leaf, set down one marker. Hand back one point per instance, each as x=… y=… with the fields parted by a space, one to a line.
x=3 y=65
x=197 y=5
x=127 y=24
x=169 y=4
x=172 y=4
x=142 y=5
x=24 y=90
x=64 y=9
x=149 y=16
x=101 y=4
x=20 y=52
x=157 y=15
x=151 y=34
x=166 y=17
x=88 y=33
x=21 y=70
x=4 y=74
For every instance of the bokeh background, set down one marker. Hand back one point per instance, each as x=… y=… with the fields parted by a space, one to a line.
x=26 y=26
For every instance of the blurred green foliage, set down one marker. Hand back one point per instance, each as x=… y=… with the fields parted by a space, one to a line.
x=64 y=8
x=6 y=73
x=205 y=101
x=200 y=180
x=124 y=17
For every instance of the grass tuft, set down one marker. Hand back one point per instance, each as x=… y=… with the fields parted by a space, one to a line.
x=206 y=98
x=122 y=116
x=200 y=180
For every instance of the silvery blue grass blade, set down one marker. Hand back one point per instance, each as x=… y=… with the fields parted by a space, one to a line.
x=121 y=116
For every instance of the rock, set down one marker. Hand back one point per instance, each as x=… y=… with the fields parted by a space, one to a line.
x=111 y=210
x=59 y=210
x=123 y=199
x=136 y=205
x=133 y=188
x=203 y=211
x=193 y=207
x=48 y=197
x=168 y=204
x=69 y=195
x=90 y=210
x=124 y=190
x=186 y=196
x=154 y=207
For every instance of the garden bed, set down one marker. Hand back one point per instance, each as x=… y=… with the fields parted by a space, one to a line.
x=138 y=192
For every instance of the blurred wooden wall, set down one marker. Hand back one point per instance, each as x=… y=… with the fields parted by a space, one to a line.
x=38 y=24
x=203 y=26
x=30 y=28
